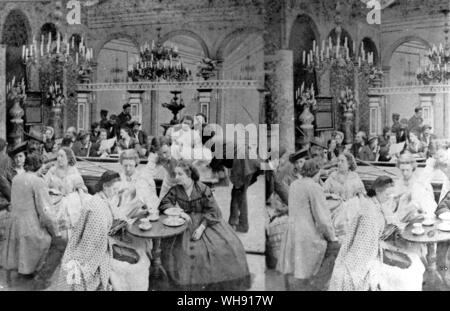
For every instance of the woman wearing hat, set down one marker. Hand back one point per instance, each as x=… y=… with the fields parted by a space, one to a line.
x=49 y=139
x=310 y=229
x=359 y=265
x=19 y=154
x=87 y=261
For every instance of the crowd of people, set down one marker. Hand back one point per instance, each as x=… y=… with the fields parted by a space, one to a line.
x=336 y=235
x=62 y=237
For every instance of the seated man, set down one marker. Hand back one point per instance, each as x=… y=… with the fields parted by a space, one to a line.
x=360 y=149
x=83 y=147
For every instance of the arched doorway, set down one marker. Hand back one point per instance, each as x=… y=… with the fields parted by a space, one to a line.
x=15 y=34
x=303 y=35
x=114 y=60
x=370 y=47
x=405 y=61
x=243 y=59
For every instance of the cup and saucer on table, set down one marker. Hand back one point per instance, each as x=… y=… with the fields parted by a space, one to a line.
x=418 y=229
x=144 y=224
x=445 y=225
x=174 y=218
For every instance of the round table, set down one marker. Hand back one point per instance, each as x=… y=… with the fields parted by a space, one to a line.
x=431 y=237
x=158 y=232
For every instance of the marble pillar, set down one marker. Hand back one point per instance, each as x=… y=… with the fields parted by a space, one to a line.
x=280 y=85
x=2 y=91
x=136 y=98
x=83 y=111
x=204 y=96
x=427 y=103
x=375 y=118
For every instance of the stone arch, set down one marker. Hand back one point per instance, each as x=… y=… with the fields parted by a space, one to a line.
x=389 y=51
x=23 y=15
x=300 y=22
x=188 y=33
x=233 y=35
x=370 y=46
x=114 y=36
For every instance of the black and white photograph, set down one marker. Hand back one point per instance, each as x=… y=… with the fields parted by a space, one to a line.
x=231 y=146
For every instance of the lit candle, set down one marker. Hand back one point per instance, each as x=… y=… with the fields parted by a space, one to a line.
x=359 y=61
x=42 y=48
x=302 y=88
x=314 y=45
x=354 y=47
x=304 y=57
x=323 y=45
x=330 y=42
x=76 y=58
x=23 y=51
x=346 y=42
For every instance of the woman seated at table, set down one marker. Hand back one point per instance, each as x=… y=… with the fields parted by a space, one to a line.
x=416 y=147
x=332 y=152
x=310 y=229
x=359 y=265
x=87 y=262
x=346 y=186
x=208 y=255
x=67 y=190
x=127 y=141
x=413 y=192
x=137 y=198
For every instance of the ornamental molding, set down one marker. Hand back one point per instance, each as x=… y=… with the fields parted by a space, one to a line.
x=171 y=86
x=413 y=89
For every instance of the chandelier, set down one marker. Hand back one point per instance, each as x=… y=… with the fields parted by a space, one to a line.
x=437 y=71
x=159 y=62
x=59 y=50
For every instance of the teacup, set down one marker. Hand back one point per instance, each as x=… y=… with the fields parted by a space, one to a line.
x=418 y=226
x=145 y=221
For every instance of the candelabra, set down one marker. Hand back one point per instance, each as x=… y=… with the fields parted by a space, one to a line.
x=305 y=99
x=59 y=51
x=159 y=62
x=16 y=93
x=438 y=69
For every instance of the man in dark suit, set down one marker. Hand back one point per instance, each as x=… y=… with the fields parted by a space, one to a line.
x=141 y=136
x=124 y=118
x=428 y=140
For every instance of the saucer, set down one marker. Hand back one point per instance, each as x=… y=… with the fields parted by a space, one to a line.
x=153 y=218
x=417 y=231
x=445 y=226
x=428 y=222
x=445 y=216
x=145 y=226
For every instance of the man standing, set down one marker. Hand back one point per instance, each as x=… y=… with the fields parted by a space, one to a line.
x=396 y=126
x=415 y=123
x=104 y=122
x=124 y=118
x=428 y=140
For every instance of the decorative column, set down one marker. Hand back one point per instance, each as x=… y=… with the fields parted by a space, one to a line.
x=18 y=96
x=375 y=120
x=83 y=105
x=154 y=102
x=205 y=100
x=136 y=98
x=280 y=85
x=427 y=103
x=2 y=91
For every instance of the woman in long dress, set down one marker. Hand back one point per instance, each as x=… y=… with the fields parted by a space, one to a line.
x=310 y=229
x=29 y=232
x=87 y=261
x=359 y=265
x=67 y=190
x=136 y=192
x=345 y=186
x=208 y=255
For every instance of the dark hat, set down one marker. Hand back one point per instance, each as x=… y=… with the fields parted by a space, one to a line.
x=105 y=178
x=426 y=126
x=418 y=109
x=372 y=138
x=22 y=147
x=315 y=142
x=134 y=123
x=125 y=106
x=396 y=114
x=303 y=153
x=35 y=134
x=103 y=111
